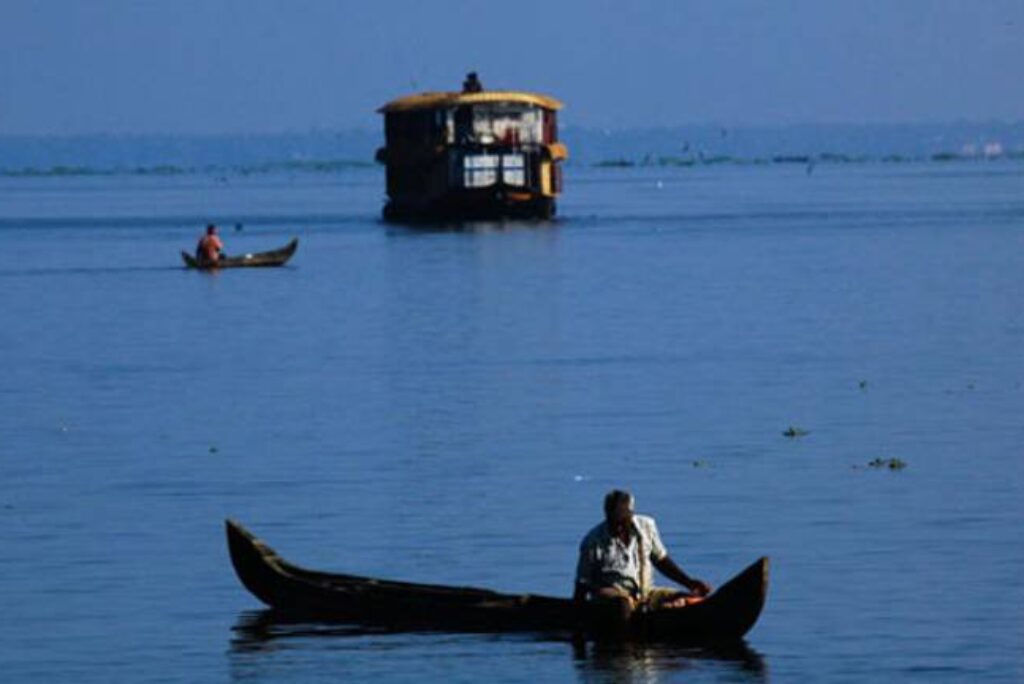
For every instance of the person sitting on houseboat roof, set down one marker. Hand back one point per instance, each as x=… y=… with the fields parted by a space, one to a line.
x=210 y=249
x=472 y=84
x=615 y=563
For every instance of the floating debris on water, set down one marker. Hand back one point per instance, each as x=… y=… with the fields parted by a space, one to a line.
x=890 y=463
x=579 y=478
x=795 y=432
x=863 y=384
x=213 y=450
x=700 y=464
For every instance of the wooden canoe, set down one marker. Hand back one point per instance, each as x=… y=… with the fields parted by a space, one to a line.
x=725 y=616
x=277 y=257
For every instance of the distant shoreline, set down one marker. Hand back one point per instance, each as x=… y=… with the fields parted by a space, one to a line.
x=334 y=166
x=681 y=146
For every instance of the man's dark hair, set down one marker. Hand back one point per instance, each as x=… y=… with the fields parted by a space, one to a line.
x=614 y=499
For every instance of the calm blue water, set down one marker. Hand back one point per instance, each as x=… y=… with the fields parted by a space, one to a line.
x=451 y=407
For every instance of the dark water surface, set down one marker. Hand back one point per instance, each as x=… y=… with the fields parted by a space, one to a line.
x=451 y=407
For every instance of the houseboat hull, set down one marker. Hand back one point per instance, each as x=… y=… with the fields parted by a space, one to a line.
x=487 y=204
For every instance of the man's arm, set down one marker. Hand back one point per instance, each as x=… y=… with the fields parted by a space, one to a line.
x=668 y=567
x=584 y=571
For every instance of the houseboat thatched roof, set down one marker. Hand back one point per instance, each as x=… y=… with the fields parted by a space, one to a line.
x=455 y=99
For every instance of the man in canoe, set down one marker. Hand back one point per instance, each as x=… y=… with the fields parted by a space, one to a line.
x=616 y=558
x=210 y=249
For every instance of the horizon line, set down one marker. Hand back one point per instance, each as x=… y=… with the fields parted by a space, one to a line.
x=317 y=130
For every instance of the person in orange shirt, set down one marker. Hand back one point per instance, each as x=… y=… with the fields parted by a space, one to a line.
x=210 y=249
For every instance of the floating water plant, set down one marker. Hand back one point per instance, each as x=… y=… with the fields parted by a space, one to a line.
x=795 y=432
x=890 y=463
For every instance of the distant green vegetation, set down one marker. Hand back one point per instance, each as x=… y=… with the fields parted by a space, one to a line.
x=791 y=159
x=306 y=166
x=670 y=161
x=649 y=160
x=56 y=171
x=294 y=166
x=161 y=170
x=329 y=166
x=838 y=158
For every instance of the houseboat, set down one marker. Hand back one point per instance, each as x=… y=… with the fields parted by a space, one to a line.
x=474 y=154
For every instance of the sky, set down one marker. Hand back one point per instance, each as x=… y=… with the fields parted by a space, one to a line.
x=71 y=67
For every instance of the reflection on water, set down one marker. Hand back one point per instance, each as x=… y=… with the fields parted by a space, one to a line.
x=481 y=226
x=265 y=630
x=638 y=662
x=267 y=633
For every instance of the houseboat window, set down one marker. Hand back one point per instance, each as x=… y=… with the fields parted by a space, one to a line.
x=480 y=170
x=441 y=131
x=508 y=124
x=513 y=169
x=463 y=121
x=448 y=135
x=532 y=127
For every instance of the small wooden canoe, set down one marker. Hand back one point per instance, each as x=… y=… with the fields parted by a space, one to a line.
x=725 y=616
x=277 y=257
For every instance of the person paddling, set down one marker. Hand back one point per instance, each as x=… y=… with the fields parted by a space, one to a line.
x=615 y=563
x=210 y=249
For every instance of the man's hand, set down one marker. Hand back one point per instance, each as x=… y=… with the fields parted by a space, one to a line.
x=698 y=587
